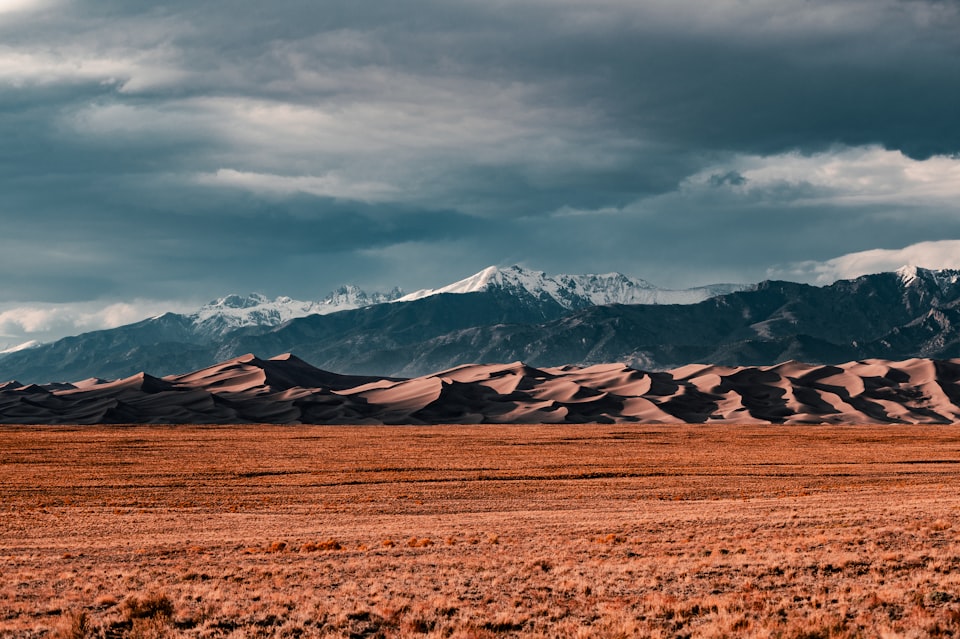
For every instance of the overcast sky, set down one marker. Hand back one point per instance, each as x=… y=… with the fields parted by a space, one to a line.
x=158 y=154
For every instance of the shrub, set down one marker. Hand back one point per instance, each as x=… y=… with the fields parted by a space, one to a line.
x=413 y=542
x=611 y=539
x=73 y=625
x=330 y=544
x=150 y=628
x=150 y=606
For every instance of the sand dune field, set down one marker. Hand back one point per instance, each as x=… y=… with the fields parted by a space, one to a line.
x=480 y=531
x=287 y=390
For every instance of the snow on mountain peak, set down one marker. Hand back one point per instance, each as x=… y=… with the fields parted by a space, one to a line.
x=256 y=309
x=235 y=311
x=909 y=274
x=238 y=301
x=574 y=291
x=475 y=283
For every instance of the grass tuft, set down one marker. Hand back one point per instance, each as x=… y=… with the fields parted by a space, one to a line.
x=154 y=605
x=73 y=625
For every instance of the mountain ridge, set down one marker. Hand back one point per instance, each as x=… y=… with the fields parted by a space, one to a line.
x=575 y=291
x=898 y=315
x=256 y=310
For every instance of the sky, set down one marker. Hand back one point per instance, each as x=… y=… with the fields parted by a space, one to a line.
x=156 y=155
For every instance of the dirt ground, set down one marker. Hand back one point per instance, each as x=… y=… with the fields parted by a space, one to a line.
x=480 y=531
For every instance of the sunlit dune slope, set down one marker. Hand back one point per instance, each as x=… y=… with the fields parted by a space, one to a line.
x=287 y=390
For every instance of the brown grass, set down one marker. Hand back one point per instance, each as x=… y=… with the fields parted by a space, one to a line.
x=559 y=531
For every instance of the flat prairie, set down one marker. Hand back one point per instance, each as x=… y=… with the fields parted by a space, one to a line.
x=480 y=531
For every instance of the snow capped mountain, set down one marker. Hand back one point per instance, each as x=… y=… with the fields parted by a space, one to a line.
x=237 y=311
x=576 y=291
x=570 y=291
x=525 y=315
x=943 y=278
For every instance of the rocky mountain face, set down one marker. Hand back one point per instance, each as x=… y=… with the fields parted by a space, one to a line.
x=506 y=316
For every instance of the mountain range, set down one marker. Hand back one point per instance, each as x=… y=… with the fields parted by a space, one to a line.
x=221 y=329
x=503 y=315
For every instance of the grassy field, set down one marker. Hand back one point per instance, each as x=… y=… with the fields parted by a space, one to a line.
x=539 y=531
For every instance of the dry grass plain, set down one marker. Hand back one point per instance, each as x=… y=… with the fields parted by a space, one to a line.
x=488 y=531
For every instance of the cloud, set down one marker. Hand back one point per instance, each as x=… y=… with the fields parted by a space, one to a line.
x=127 y=71
x=20 y=6
x=330 y=185
x=173 y=148
x=47 y=322
x=787 y=216
x=846 y=176
x=433 y=142
x=941 y=254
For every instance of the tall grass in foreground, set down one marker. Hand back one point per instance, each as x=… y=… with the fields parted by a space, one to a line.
x=606 y=532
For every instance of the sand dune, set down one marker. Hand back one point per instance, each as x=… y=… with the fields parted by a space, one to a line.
x=288 y=390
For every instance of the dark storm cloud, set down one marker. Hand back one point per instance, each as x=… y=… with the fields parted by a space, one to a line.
x=161 y=238
x=181 y=149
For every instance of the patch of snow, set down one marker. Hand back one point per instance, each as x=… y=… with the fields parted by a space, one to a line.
x=941 y=277
x=907 y=274
x=20 y=347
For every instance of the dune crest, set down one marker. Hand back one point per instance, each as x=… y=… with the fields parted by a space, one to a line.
x=287 y=390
